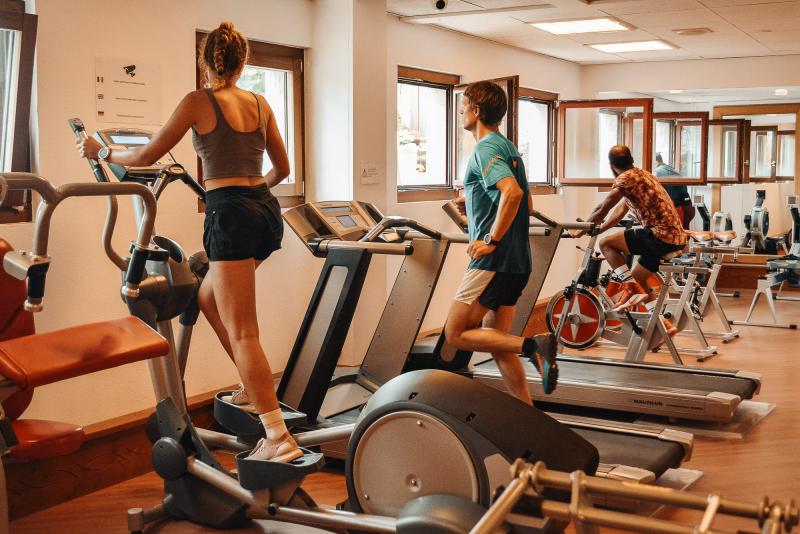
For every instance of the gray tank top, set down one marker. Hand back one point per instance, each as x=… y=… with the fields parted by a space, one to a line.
x=226 y=152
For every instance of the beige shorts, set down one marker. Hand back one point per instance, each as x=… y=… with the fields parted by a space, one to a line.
x=473 y=285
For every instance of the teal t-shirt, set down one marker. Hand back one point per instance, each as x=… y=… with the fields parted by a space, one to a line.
x=495 y=158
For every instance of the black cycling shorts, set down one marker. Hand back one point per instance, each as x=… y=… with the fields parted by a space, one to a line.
x=648 y=247
x=241 y=222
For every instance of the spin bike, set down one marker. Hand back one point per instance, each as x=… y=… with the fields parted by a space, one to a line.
x=583 y=313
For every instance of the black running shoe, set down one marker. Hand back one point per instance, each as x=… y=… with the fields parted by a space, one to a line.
x=544 y=359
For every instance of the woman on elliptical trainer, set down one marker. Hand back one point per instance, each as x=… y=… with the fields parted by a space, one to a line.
x=231 y=129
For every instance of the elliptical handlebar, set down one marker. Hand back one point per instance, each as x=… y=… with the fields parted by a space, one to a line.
x=34 y=265
x=77 y=127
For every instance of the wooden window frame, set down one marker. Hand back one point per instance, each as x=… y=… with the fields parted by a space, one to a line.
x=720 y=112
x=281 y=57
x=686 y=118
x=740 y=128
x=647 y=136
x=429 y=78
x=550 y=99
x=17 y=206
x=774 y=165
x=778 y=177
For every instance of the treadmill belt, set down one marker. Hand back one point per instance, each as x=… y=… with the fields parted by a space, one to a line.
x=651 y=454
x=654 y=378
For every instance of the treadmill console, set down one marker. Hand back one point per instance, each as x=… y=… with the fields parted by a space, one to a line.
x=131 y=138
x=332 y=219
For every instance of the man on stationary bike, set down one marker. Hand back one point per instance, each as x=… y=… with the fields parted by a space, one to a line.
x=661 y=232
x=497 y=207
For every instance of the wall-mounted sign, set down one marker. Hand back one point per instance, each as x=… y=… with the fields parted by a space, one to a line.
x=127 y=91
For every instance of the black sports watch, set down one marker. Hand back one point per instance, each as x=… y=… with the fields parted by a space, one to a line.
x=489 y=241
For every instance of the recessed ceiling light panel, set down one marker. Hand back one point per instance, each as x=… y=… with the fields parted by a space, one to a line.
x=565 y=27
x=781 y=92
x=635 y=46
x=675 y=91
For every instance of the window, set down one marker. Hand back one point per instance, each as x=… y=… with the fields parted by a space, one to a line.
x=763 y=153
x=609 y=133
x=422 y=135
x=785 y=155
x=17 y=44
x=724 y=160
x=679 y=147
x=535 y=131
x=276 y=72
x=587 y=129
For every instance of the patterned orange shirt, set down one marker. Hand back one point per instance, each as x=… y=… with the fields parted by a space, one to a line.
x=650 y=203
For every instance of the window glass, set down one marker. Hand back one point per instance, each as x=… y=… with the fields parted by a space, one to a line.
x=534 y=140
x=8 y=53
x=608 y=135
x=730 y=145
x=786 y=155
x=762 y=149
x=690 y=150
x=723 y=151
x=421 y=135
x=664 y=141
x=276 y=86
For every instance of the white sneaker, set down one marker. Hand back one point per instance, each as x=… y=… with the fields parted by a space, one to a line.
x=282 y=450
x=240 y=399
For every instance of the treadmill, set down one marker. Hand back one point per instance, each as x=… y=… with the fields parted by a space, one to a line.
x=677 y=392
x=331 y=397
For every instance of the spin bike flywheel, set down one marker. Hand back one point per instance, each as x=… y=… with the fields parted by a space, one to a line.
x=585 y=318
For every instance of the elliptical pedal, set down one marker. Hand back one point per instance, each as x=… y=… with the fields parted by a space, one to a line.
x=263 y=474
x=246 y=425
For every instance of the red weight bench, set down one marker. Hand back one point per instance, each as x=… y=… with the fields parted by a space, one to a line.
x=28 y=360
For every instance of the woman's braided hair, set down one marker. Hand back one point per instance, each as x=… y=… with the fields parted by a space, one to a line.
x=224 y=52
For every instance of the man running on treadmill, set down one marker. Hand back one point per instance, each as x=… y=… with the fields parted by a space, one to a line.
x=661 y=232
x=497 y=208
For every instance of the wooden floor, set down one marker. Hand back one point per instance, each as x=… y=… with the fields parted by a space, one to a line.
x=766 y=462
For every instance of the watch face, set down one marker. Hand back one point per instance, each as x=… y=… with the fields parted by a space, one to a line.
x=103 y=153
x=487 y=239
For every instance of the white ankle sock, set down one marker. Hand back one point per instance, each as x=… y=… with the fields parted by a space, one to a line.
x=273 y=424
x=622 y=273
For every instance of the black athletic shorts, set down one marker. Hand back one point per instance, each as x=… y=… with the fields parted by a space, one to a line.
x=242 y=222
x=504 y=290
x=648 y=247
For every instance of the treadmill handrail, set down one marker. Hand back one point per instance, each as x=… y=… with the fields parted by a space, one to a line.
x=396 y=249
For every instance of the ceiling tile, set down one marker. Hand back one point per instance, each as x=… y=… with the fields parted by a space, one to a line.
x=690 y=18
x=624 y=7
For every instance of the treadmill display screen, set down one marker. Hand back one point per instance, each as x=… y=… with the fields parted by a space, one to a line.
x=336 y=209
x=346 y=221
x=129 y=140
